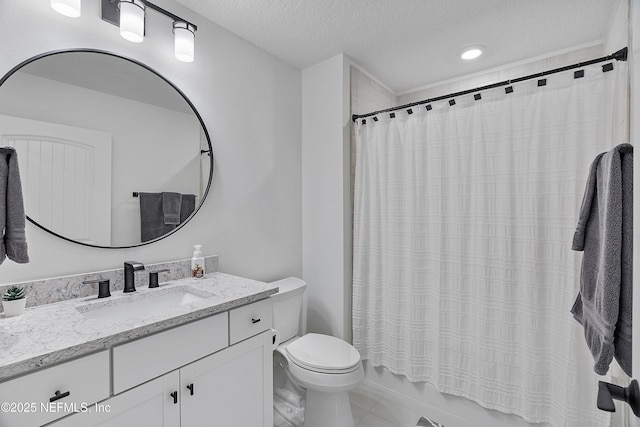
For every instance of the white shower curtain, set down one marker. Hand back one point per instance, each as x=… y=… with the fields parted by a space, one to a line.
x=463 y=272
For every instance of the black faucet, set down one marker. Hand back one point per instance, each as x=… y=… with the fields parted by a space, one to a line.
x=129 y=280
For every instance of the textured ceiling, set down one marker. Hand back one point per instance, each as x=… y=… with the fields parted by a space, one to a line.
x=411 y=43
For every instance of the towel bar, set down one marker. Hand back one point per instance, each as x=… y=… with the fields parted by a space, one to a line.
x=137 y=194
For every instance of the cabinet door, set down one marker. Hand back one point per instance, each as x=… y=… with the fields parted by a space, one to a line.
x=231 y=388
x=149 y=405
x=52 y=393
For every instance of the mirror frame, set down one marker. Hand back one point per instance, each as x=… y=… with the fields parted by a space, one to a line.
x=182 y=94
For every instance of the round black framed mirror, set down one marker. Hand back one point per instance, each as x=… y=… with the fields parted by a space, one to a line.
x=111 y=153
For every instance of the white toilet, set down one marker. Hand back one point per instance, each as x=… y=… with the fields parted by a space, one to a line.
x=324 y=366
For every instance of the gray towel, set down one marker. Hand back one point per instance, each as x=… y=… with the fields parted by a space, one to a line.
x=604 y=233
x=152 y=223
x=12 y=217
x=622 y=339
x=171 y=203
x=188 y=206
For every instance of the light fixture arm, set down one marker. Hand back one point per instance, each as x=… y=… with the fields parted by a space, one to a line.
x=110 y=13
x=168 y=14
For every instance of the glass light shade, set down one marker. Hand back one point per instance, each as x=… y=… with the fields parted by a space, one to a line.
x=132 y=20
x=70 y=8
x=184 y=41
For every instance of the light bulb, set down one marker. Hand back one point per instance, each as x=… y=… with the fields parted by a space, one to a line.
x=70 y=8
x=132 y=20
x=184 y=40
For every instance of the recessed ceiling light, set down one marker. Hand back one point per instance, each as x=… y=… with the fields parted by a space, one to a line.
x=70 y=8
x=471 y=52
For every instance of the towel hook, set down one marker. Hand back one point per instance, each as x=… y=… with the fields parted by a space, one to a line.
x=7 y=151
x=607 y=392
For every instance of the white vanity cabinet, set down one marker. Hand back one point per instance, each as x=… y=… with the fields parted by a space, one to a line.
x=43 y=396
x=190 y=376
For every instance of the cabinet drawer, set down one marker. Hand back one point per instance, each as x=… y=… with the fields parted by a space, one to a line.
x=146 y=358
x=86 y=380
x=250 y=320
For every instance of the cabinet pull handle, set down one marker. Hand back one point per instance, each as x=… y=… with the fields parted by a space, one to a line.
x=254 y=321
x=175 y=397
x=190 y=387
x=58 y=395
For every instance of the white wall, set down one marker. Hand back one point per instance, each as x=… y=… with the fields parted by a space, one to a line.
x=368 y=94
x=617 y=38
x=250 y=103
x=618 y=35
x=326 y=199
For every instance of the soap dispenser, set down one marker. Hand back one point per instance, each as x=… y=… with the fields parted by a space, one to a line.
x=197 y=263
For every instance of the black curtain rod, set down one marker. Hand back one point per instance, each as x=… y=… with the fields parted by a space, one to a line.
x=620 y=55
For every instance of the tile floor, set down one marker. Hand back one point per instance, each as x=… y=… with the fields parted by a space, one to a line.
x=375 y=406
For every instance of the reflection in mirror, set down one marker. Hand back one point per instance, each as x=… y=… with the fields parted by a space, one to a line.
x=110 y=153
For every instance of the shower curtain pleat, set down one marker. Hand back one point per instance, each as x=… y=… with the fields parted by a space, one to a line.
x=463 y=272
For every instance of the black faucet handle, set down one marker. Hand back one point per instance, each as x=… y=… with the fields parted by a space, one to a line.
x=153 y=277
x=103 y=287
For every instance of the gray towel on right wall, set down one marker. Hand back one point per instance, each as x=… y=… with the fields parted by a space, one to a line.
x=604 y=232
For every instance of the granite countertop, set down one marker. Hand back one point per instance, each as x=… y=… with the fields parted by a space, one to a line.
x=52 y=333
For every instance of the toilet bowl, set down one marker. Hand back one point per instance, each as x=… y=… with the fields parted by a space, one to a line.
x=325 y=367
x=323 y=363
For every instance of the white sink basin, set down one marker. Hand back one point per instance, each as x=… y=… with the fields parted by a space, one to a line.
x=137 y=305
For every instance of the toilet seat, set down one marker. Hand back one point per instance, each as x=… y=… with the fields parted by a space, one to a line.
x=324 y=354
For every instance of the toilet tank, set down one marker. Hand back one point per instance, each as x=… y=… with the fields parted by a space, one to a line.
x=287 y=307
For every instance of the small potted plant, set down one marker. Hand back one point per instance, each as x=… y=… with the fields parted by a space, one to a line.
x=14 y=301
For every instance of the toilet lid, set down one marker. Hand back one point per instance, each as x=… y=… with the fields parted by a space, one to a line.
x=323 y=353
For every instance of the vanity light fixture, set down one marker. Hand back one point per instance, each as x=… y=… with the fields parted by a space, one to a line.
x=129 y=15
x=70 y=8
x=132 y=20
x=471 y=52
x=184 y=34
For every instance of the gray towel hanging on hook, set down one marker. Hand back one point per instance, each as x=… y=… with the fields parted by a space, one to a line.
x=605 y=234
x=13 y=242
